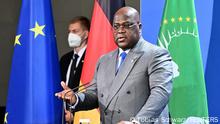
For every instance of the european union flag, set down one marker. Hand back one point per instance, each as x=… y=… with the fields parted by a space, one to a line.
x=35 y=75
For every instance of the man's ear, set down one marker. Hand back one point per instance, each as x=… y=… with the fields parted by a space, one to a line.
x=87 y=34
x=140 y=26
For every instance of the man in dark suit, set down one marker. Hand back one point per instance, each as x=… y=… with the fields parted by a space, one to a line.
x=72 y=62
x=133 y=83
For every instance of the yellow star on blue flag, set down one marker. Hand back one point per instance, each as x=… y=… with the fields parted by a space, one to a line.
x=5 y=119
x=17 y=40
x=38 y=30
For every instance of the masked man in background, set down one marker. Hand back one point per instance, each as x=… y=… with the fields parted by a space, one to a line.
x=72 y=62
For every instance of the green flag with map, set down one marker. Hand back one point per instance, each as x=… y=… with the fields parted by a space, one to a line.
x=179 y=34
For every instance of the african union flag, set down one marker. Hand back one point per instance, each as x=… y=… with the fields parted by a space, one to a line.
x=179 y=34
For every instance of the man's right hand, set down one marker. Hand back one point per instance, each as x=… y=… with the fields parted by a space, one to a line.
x=67 y=94
x=68 y=117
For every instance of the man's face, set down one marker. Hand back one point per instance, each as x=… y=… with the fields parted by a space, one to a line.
x=76 y=28
x=126 y=30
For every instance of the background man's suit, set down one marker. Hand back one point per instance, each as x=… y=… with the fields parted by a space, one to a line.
x=64 y=64
x=141 y=88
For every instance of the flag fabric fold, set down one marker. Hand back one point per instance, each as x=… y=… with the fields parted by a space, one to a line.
x=100 y=42
x=212 y=67
x=35 y=74
x=179 y=34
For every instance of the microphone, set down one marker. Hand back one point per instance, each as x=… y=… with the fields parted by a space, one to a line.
x=80 y=86
x=86 y=84
x=71 y=90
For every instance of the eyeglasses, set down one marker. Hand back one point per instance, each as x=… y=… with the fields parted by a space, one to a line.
x=126 y=25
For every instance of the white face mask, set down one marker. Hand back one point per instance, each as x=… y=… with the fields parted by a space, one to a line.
x=74 y=40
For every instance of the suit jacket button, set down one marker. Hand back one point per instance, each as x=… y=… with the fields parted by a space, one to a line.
x=106 y=113
x=119 y=111
x=102 y=95
x=129 y=92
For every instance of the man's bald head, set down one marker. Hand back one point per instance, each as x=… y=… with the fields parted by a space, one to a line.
x=128 y=12
x=127 y=26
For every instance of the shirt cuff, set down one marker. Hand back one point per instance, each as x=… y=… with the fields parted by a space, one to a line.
x=79 y=96
x=72 y=107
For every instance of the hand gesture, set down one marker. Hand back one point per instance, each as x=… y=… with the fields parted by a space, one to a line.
x=67 y=94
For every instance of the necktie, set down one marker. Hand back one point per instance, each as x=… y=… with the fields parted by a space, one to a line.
x=123 y=56
x=72 y=72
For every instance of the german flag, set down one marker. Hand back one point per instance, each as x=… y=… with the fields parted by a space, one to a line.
x=100 y=42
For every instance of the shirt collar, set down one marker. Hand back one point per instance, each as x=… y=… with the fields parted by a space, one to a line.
x=120 y=51
x=80 y=53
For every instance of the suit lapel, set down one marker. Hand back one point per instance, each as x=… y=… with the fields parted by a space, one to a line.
x=111 y=68
x=65 y=65
x=122 y=74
